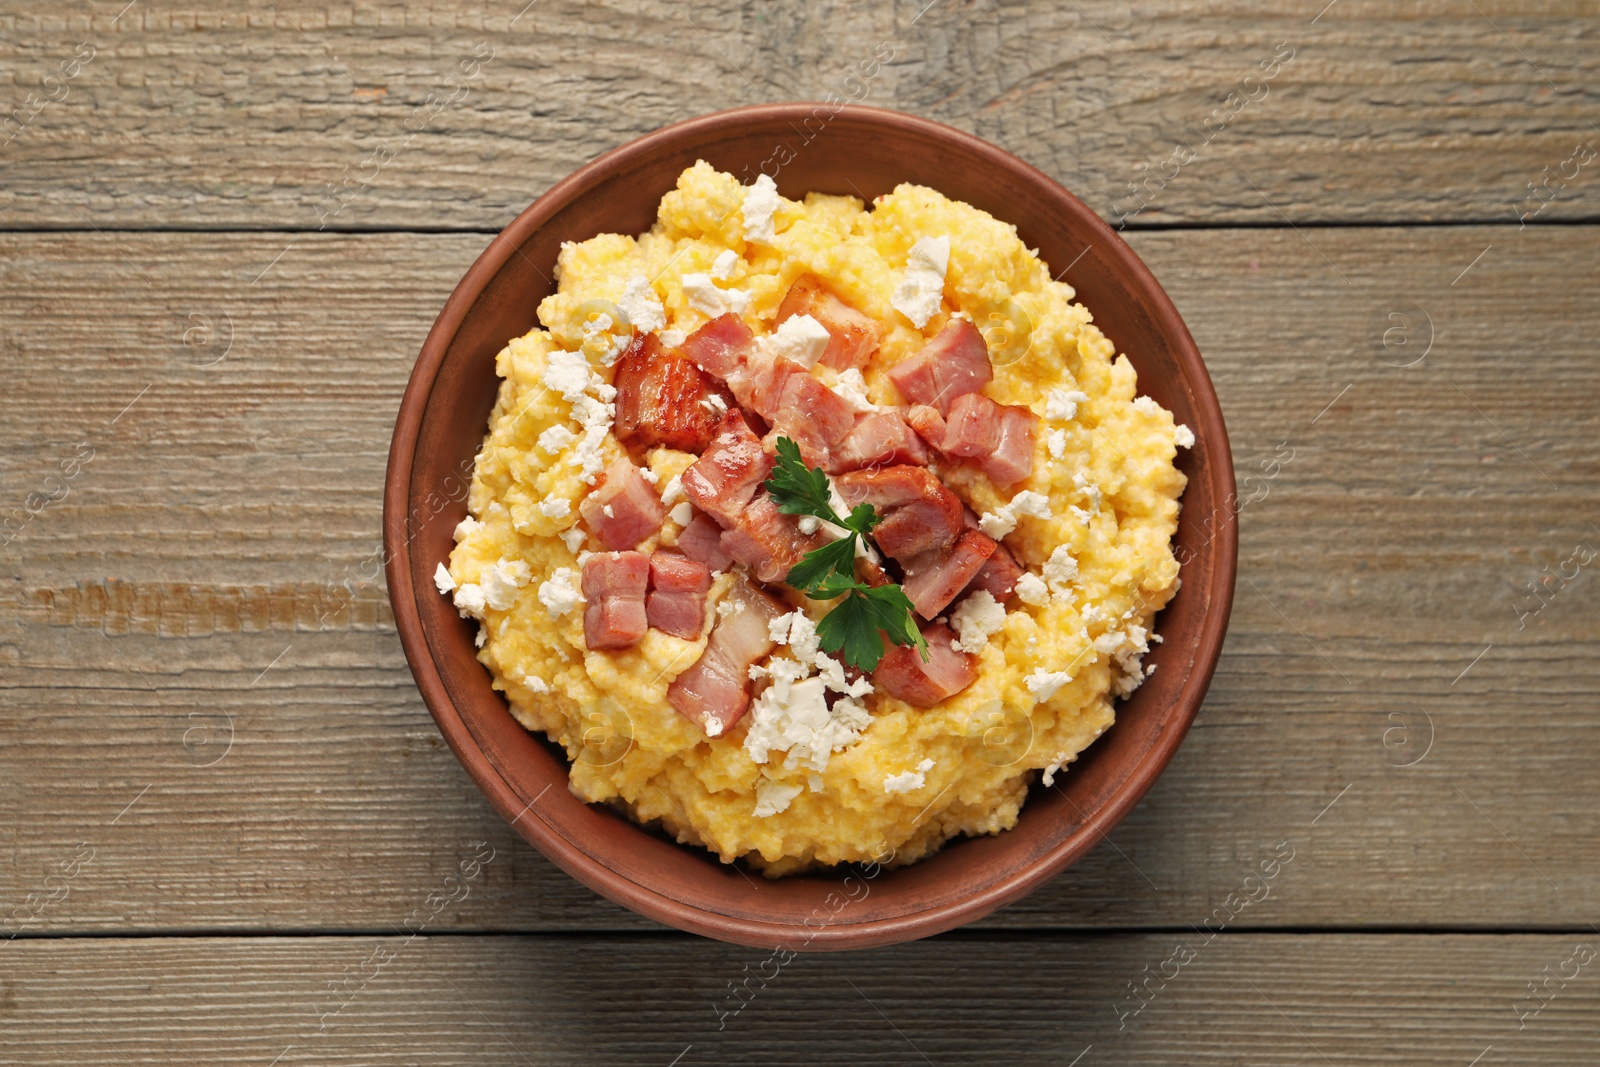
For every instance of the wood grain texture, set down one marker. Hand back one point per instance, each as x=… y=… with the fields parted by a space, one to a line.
x=300 y=115
x=203 y=686
x=1245 y=999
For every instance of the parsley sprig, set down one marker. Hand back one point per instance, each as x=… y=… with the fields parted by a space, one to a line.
x=858 y=623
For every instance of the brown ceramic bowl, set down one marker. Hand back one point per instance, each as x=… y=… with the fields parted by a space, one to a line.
x=441 y=424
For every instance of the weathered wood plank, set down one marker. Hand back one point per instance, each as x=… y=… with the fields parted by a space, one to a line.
x=190 y=580
x=1241 y=999
x=296 y=115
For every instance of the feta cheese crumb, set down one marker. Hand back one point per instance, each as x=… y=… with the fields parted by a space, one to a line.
x=1056 y=442
x=976 y=619
x=794 y=717
x=800 y=338
x=1045 y=684
x=573 y=538
x=1060 y=569
x=442 y=579
x=851 y=386
x=672 y=491
x=809 y=524
x=1032 y=590
x=921 y=288
x=761 y=202
x=536 y=684
x=557 y=507
x=773 y=798
x=1182 y=436
x=682 y=513
x=556 y=439
x=1147 y=405
x=672 y=338
x=704 y=296
x=1004 y=519
x=469 y=600
x=649 y=475
x=466 y=528
x=501 y=580
x=641 y=305
x=722 y=266
x=1062 y=404
x=561 y=593
x=906 y=781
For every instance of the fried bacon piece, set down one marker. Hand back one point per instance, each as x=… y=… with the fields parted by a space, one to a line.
x=622 y=509
x=614 y=585
x=903 y=675
x=918 y=513
x=953 y=363
x=701 y=541
x=723 y=480
x=768 y=541
x=715 y=691
x=677 y=601
x=879 y=439
x=934 y=578
x=662 y=399
x=852 y=335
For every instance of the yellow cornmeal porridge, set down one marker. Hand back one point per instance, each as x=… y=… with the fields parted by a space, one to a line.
x=1099 y=565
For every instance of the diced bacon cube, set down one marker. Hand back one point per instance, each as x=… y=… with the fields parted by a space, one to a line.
x=701 y=540
x=622 y=509
x=723 y=480
x=918 y=514
x=934 y=578
x=879 y=439
x=768 y=541
x=719 y=346
x=614 y=585
x=852 y=335
x=902 y=673
x=677 y=600
x=662 y=399
x=953 y=363
x=715 y=691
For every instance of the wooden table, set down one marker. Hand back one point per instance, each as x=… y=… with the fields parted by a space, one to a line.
x=227 y=828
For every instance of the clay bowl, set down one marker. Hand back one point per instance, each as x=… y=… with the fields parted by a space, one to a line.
x=441 y=423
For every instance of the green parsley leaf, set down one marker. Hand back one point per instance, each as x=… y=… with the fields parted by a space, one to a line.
x=831 y=561
x=798 y=489
x=863 y=517
x=860 y=622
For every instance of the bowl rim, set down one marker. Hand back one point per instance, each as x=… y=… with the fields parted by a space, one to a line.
x=642 y=898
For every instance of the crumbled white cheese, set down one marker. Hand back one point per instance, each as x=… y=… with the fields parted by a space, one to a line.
x=809 y=524
x=467 y=527
x=1148 y=406
x=479 y=637
x=597 y=335
x=1088 y=487
x=608 y=512
x=773 y=798
x=794 y=717
x=587 y=456
x=567 y=373
x=921 y=288
x=722 y=266
x=556 y=438
x=682 y=513
x=501 y=580
x=1126 y=649
x=906 y=781
x=469 y=600
x=761 y=202
x=1060 y=569
x=831 y=671
x=672 y=338
x=561 y=593
x=442 y=579
x=704 y=296
x=1062 y=404
x=799 y=338
x=573 y=538
x=1054 y=765
x=1182 y=436
x=798 y=632
x=641 y=305
x=1056 y=442
x=1000 y=522
x=649 y=475
x=726 y=608
x=1080 y=514
x=851 y=385
x=1044 y=684
x=976 y=619
x=1032 y=590
x=672 y=491
x=557 y=507
x=536 y=684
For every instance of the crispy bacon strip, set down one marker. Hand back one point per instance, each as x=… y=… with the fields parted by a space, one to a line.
x=934 y=578
x=879 y=439
x=952 y=364
x=723 y=480
x=622 y=509
x=677 y=600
